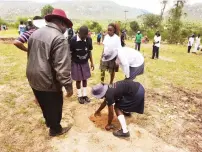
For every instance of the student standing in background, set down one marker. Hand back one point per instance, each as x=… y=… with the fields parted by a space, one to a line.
x=112 y=41
x=156 y=46
x=197 y=44
x=138 y=40
x=190 y=42
x=81 y=47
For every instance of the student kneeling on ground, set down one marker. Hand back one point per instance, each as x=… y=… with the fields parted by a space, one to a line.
x=126 y=96
x=130 y=61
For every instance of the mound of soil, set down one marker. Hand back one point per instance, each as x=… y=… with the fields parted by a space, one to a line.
x=8 y=40
x=101 y=121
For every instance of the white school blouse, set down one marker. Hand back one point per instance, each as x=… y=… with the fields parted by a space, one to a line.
x=128 y=57
x=112 y=42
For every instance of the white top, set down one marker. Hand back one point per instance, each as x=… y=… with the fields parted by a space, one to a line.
x=112 y=42
x=198 y=40
x=128 y=57
x=191 y=41
x=157 y=39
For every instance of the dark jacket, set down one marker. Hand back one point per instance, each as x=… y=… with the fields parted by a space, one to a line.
x=49 y=60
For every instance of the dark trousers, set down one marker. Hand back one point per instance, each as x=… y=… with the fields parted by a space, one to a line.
x=137 y=46
x=51 y=105
x=189 y=49
x=155 y=52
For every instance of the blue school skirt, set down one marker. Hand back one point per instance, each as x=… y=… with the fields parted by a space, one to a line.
x=80 y=72
x=132 y=103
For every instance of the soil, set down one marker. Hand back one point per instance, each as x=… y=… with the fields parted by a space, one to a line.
x=8 y=40
x=168 y=125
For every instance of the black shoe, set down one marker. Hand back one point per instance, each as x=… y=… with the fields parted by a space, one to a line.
x=120 y=133
x=127 y=114
x=86 y=99
x=63 y=131
x=81 y=100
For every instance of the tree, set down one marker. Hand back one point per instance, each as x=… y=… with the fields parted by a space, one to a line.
x=175 y=23
x=134 y=26
x=164 y=3
x=94 y=26
x=47 y=9
x=151 y=21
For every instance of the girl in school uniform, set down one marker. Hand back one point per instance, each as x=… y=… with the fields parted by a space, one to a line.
x=130 y=61
x=113 y=41
x=126 y=96
x=81 y=47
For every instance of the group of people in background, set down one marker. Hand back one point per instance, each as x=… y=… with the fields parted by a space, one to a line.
x=55 y=60
x=22 y=28
x=194 y=41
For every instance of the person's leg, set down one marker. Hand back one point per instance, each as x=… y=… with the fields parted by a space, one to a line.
x=139 y=46
x=85 y=96
x=124 y=131
x=121 y=119
x=157 y=52
x=51 y=104
x=189 y=49
x=112 y=75
x=102 y=76
x=79 y=92
x=136 y=46
x=153 y=52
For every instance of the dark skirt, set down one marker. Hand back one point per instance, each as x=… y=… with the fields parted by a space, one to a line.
x=109 y=66
x=80 y=72
x=135 y=71
x=133 y=103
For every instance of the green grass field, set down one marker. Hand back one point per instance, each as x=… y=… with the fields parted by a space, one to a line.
x=173 y=101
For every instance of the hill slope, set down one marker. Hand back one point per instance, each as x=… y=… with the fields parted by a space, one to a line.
x=97 y=10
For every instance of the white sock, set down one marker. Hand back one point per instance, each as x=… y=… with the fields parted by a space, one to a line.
x=79 y=94
x=84 y=91
x=122 y=121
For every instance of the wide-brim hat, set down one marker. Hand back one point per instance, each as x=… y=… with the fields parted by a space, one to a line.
x=109 y=54
x=39 y=23
x=99 y=91
x=58 y=13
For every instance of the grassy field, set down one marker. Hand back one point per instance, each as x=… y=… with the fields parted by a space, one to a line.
x=9 y=33
x=173 y=110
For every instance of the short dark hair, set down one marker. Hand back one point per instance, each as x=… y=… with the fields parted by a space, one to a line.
x=83 y=29
x=37 y=18
x=21 y=22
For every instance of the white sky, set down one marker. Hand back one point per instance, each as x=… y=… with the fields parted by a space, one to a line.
x=150 y=5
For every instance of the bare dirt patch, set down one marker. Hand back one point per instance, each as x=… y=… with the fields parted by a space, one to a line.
x=7 y=40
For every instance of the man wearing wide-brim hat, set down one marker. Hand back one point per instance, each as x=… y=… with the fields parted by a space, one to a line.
x=48 y=68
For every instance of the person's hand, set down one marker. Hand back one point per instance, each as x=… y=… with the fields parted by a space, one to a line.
x=69 y=94
x=97 y=114
x=109 y=127
x=92 y=66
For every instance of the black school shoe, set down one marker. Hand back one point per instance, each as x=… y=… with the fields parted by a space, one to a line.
x=86 y=99
x=120 y=133
x=53 y=133
x=81 y=100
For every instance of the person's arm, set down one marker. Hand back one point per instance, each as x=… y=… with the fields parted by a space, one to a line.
x=20 y=45
x=91 y=57
x=61 y=58
x=110 y=118
x=102 y=106
x=91 y=60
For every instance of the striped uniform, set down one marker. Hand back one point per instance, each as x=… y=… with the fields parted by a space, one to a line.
x=25 y=36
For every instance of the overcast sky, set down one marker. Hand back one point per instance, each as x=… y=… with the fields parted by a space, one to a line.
x=150 y=5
